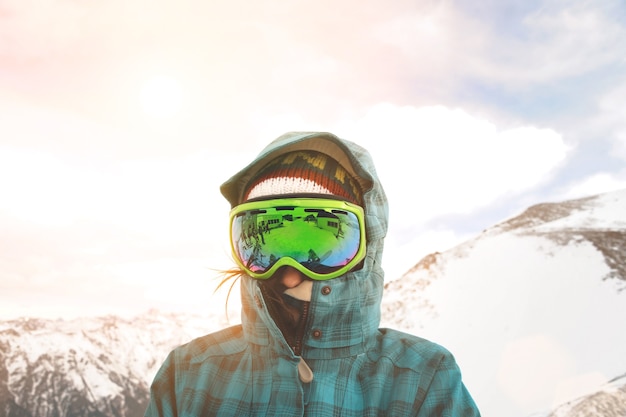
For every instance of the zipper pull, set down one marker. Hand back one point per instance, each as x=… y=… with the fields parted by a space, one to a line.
x=305 y=373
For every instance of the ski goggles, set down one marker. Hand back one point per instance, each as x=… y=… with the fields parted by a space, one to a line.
x=322 y=238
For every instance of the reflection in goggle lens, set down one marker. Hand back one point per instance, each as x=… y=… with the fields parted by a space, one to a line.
x=319 y=239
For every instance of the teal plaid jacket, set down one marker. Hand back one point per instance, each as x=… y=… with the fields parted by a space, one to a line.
x=358 y=369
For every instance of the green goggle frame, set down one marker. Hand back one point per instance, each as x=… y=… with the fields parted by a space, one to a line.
x=321 y=237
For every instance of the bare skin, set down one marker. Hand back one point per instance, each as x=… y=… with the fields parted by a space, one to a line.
x=291 y=277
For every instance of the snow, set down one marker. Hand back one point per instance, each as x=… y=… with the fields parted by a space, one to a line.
x=609 y=400
x=100 y=358
x=530 y=320
x=604 y=212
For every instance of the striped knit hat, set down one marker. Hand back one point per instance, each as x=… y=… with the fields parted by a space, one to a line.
x=303 y=172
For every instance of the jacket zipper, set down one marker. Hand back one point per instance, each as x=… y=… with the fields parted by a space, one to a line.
x=297 y=347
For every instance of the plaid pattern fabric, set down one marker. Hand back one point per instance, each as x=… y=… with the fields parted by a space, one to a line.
x=359 y=370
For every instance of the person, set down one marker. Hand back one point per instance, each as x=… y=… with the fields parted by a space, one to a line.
x=309 y=341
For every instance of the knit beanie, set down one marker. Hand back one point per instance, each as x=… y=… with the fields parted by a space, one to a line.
x=303 y=172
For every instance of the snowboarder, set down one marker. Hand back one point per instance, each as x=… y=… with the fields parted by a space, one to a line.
x=309 y=342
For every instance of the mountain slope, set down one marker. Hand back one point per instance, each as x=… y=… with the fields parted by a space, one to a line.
x=86 y=367
x=609 y=401
x=532 y=308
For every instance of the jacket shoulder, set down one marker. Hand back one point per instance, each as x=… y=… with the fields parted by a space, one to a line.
x=224 y=342
x=409 y=351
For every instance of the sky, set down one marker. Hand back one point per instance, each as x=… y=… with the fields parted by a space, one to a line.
x=120 y=119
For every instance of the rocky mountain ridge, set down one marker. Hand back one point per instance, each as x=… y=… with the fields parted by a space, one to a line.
x=85 y=367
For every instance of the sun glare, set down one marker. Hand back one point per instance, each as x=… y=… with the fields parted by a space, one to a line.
x=161 y=96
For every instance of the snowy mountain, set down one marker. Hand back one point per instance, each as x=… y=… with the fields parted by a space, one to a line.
x=87 y=367
x=533 y=308
x=608 y=401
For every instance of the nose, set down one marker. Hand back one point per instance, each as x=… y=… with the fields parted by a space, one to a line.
x=291 y=277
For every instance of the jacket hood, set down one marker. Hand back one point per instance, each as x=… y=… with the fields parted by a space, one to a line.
x=343 y=320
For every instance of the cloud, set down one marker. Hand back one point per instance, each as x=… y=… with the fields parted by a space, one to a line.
x=156 y=196
x=563 y=43
x=73 y=228
x=440 y=161
x=34 y=30
x=541 y=43
x=436 y=41
x=55 y=129
x=92 y=181
x=558 y=42
x=611 y=118
x=234 y=60
x=598 y=183
x=68 y=30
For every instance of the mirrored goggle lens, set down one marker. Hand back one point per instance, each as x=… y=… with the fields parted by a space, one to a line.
x=323 y=240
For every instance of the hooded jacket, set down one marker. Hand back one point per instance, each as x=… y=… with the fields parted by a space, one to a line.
x=347 y=366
